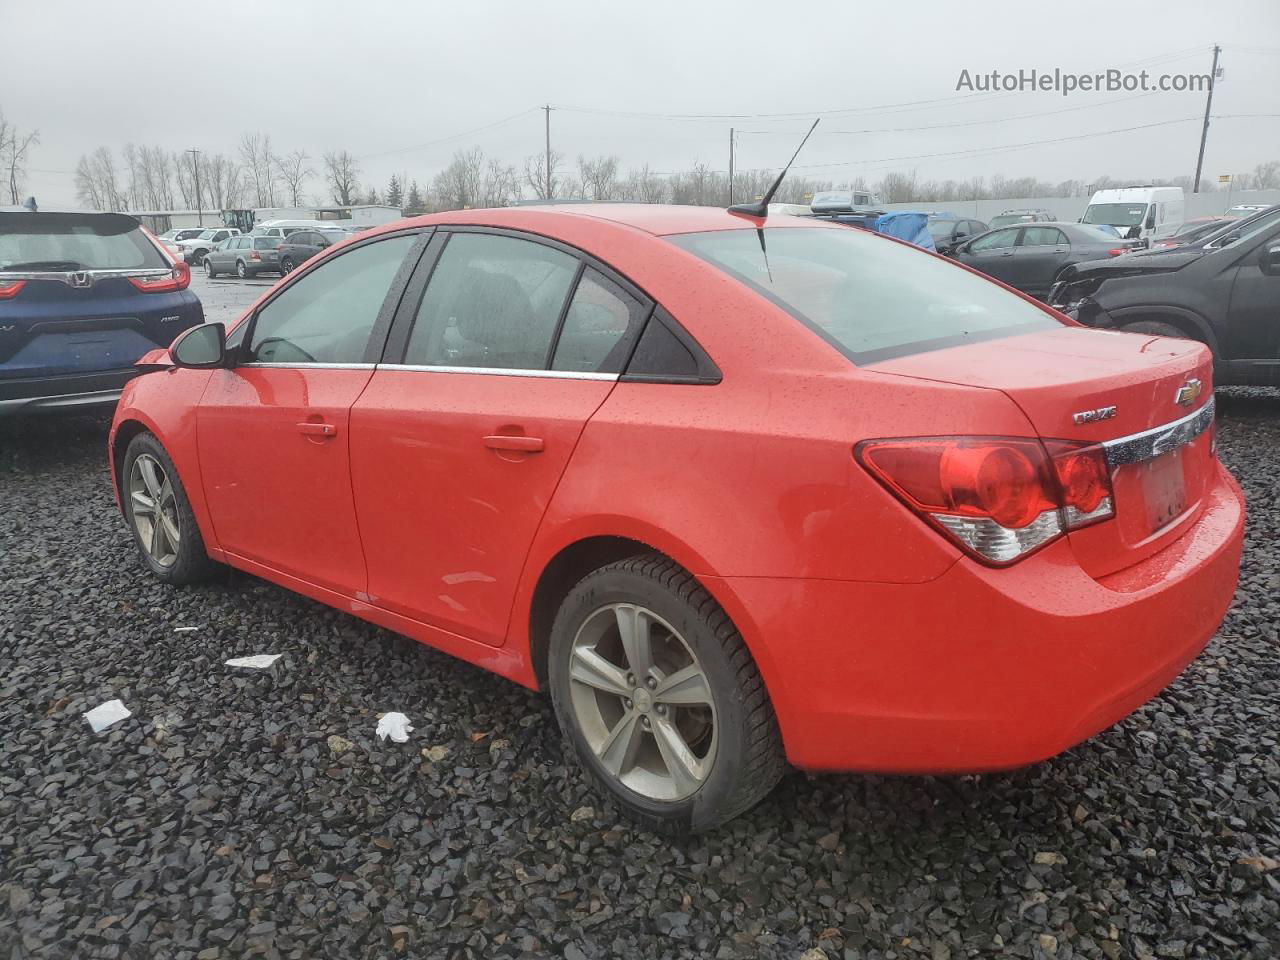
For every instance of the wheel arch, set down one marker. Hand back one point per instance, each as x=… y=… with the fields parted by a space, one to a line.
x=1189 y=322
x=125 y=431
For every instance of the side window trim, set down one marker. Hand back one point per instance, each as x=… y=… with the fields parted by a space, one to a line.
x=708 y=374
x=386 y=312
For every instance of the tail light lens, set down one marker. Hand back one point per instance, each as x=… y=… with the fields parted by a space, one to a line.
x=1116 y=251
x=998 y=498
x=11 y=288
x=255 y=255
x=179 y=279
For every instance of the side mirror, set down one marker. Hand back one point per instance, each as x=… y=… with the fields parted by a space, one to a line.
x=960 y=235
x=201 y=347
x=1271 y=258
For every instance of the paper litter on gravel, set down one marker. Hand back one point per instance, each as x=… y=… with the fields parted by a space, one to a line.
x=394 y=725
x=104 y=715
x=259 y=661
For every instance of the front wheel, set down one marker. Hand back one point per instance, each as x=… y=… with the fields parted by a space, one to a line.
x=657 y=693
x=159 y=514
x=209 y=270
x=1156 y=329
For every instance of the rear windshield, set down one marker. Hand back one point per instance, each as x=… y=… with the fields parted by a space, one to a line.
x=266 y=243
x=871 y=298
x=70 y=241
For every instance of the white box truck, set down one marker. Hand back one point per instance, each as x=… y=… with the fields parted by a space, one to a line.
x=1143 y=213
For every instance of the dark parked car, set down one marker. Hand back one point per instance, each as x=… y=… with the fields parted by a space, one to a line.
x=1224 y=292
x=948 y=233
x=1031 y=257
x=300 y=247
x=1192 y=231
x=82 y=297
x=245 y=256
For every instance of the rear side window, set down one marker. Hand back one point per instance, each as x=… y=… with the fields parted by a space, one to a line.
x=492 y=301
x=598 y=327
x=327 y=315
x=1042 y=237
x=870 y=298
x=65 y=242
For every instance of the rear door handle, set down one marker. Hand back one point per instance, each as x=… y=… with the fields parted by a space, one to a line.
x=311 y=429
x=522 y=444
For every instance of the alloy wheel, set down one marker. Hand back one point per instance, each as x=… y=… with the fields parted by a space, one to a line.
x=154 y=509
x=643 y=702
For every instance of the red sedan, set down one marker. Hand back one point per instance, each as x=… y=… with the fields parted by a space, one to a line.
x=739 y=492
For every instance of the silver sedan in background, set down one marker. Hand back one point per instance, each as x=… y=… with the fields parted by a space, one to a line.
x=245 y=256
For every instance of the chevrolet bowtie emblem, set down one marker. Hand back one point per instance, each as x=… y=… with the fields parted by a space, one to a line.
x=1188 y=392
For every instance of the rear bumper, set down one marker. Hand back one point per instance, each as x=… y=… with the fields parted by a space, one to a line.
x=70 y=393
x=986 y=669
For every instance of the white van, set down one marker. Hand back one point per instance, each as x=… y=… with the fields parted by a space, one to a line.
x=1138 y=213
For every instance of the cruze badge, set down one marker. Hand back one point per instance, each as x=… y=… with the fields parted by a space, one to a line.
x=1187 y=393
x=1093 y=416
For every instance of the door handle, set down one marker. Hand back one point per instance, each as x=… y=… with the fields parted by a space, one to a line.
x=311 y=429
x=521 y=444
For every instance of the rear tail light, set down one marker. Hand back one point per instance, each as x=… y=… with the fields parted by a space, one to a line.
x=255 y=255
x=179 y=278
x=11 y=288
x=279 y=246
x=1116 y=251
x=998 y=498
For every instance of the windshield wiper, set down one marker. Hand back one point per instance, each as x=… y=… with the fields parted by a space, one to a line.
x=52 y=265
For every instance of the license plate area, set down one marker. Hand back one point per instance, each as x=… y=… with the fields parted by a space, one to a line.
x=1164 y=488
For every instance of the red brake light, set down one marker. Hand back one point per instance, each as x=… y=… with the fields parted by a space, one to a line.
x=255 y=255
x=179 y=279
x=11 y=288
x=999 y=498
x=1116 y=251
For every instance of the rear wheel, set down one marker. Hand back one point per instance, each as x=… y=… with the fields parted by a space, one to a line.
x=241 y=270
x=654 y=688
x=198 y=257
x=286 y=265
x=159 y=514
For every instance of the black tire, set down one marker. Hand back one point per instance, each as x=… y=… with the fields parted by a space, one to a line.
x=197 y=258
x=749 y=758
x=241 y=270
x=209 y=269
x=286 y=266
x=1156 y=329
x=192 y=563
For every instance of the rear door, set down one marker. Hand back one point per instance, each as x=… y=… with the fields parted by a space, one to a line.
x=1041 y=252
x=493 y=369
x=273 y=429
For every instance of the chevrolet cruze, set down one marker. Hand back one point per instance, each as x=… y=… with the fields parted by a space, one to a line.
x=741 y=493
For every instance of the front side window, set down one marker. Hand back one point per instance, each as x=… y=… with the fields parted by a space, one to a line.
x=869 y=298
x=994 y=241
x=327 y=315
x=599 y=326
x=493 y=301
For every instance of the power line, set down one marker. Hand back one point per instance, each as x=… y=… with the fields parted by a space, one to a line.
x=455 y=136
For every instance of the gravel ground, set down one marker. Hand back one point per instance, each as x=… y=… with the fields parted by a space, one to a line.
x=242 y=813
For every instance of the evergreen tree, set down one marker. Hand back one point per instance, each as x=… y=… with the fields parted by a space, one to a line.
x=414 y=200
x=395 y=193
x=373 y=196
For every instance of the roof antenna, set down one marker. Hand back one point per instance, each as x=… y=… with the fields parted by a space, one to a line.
x=760 y=208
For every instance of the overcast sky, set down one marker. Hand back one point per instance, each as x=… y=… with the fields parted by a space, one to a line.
x=383 y=80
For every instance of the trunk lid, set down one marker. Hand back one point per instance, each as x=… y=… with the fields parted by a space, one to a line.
x=1160 y=471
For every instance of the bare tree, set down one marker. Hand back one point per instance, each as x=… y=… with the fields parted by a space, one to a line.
x=343 y=176
x=599 y=177
x=14 y=147
x=535 y=174
x=259 y=167
x=294 y=171
x=460 y=185
x=98 y=181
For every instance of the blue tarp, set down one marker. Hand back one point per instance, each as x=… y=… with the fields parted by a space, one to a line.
x=912 y=227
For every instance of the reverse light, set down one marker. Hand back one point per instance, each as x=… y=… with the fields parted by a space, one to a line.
x=179 y=278
x=11 y=288
x=1000 y=498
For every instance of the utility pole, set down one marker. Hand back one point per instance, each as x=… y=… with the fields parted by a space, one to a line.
x=195 y=168
x=1204 y=133
x=731 y=166
x=547 y=111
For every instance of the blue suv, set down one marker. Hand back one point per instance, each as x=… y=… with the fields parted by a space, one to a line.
x=82 y=297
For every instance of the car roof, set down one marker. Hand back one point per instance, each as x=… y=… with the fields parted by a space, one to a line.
x=652 y=218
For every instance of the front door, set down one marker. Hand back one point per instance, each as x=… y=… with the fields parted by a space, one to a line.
x=1253 y=312
x=1041 y=252
x=457 y=446
x=273 y=430
x=992 y=253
